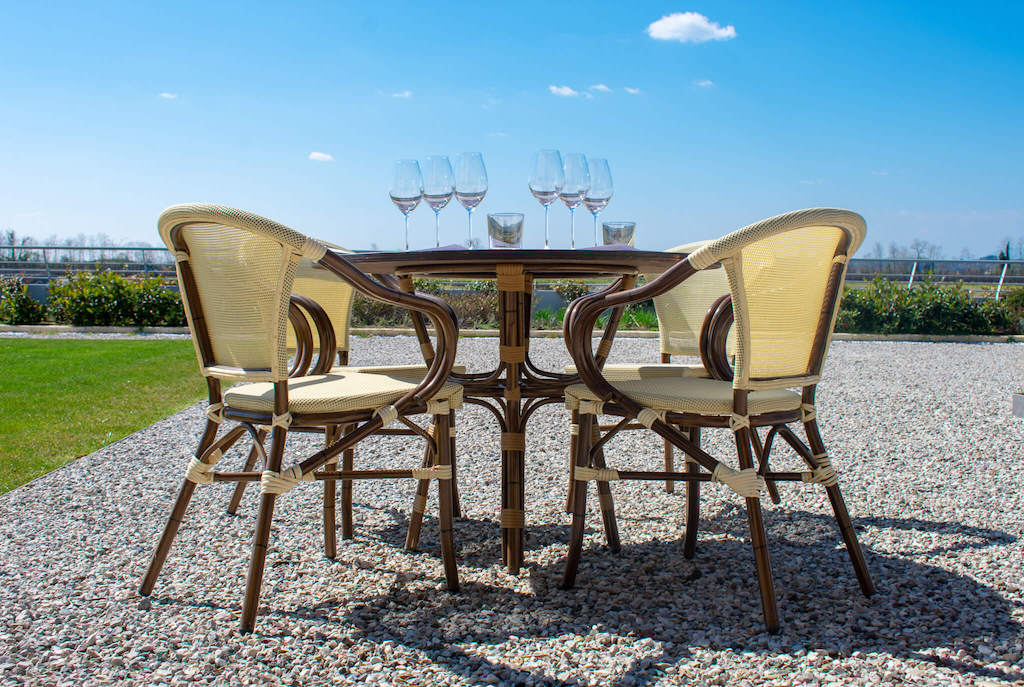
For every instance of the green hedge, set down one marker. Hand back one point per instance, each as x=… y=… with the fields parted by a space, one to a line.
x=16 y=306
x=107 y=299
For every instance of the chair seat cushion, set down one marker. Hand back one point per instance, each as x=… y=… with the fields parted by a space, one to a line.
x=690 y=395
x=620 y=372
x=398 y=370
x=340 y=391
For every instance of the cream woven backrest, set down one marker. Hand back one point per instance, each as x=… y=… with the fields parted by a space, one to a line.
x=785 y=275
x=332 y=294
x=235 y=274
x=681 y=310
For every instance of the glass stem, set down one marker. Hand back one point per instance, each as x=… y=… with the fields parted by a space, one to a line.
x=437 y=228
x=546 y=208
x=572 y=227
x=469 y=240
x=595 y=227
x=406 y=215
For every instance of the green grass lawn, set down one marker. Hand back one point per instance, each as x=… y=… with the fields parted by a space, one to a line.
x=64 y=398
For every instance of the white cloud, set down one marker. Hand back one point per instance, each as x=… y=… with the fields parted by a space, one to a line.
x=588 y=96
x=632 y=91
x=600 y=87
x=402 y=94
x=564 y=91
x=168 y=96
x=689 y=27
x=321 y=157
x=704 y=83
x=811 y=182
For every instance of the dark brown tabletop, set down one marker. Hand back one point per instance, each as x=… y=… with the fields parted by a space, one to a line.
x=554 y=264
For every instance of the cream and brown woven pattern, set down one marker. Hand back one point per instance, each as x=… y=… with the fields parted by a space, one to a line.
x=331 y=293
x=620 y=372
x=339 y=391
x=417 y=371
x=681 y=311
x=689 y=395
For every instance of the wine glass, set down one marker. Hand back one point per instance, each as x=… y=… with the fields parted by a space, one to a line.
x=600 y=191
x=546 y=180
x=577 y=183
x=406 y=190
x=470 y=185
x=438 y=186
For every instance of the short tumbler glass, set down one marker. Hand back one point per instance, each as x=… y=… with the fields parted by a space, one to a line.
x=619 y=233
x=505 y=229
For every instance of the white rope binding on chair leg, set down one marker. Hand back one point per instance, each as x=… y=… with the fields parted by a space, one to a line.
x=436 y=472
x=824 y=474
x=584 y=474
x=747 y=483
x=282 y=421
x=198 y=472
x=591 y=407
x=387 y=414
x=215 y=412
x=647 y=417
x=282 y=482
x=807 y=412
x=738 y=422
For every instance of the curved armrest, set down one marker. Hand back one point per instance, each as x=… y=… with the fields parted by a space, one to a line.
x=324 y=331
x=438 y=311
x=714 y=332
x=303 y=340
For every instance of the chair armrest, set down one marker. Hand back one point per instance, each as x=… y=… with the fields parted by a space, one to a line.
x=324 y=331
x=714 y=332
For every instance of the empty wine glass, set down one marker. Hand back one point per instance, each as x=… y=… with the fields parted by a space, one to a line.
x=600 y=191
x=438 y=186
x=406 y=190
x=546 y=180
x=470 y=185
x=577 y=183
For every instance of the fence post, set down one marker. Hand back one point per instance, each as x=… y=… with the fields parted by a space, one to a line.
x=1001 y=278
x=913 y=271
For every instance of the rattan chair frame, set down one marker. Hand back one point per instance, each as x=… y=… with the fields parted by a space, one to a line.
x=682 y=430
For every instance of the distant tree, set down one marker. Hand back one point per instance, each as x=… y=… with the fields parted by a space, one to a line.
x=1004 y=254
x=925 y=250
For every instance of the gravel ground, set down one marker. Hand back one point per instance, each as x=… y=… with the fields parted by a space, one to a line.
x=928 y=454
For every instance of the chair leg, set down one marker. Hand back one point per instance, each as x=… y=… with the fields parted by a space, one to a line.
x=759 y=540
x=156 y=563
x=261 y=538
x=571 y=490
x=446 y=498
x=860 y=566
x=457 y=501
x=579 y=504
x=330 y=498
x=348 y=458
x=670 y=466
x=692 y=501
x=604 y=495
x=419 y=504
x=250 y=463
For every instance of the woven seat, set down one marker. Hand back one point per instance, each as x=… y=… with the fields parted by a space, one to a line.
x=620 y=372
x=340 y=391
x=689 y=395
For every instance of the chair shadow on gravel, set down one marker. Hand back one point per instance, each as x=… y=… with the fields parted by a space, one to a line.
x=708 y=602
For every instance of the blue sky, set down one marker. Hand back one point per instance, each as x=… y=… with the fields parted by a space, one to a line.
x=909 y=113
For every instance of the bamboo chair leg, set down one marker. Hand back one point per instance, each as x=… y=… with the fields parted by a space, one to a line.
x=330 y=497
x=860 y=566
x=571 y=491
x=579 y=502
x=604 y=494
x=348 y=463
x=446 y=497
x=670 y=466
x=250 y=463
x=457 y=501
x=156 y=563
x=419 y=504
x=692 y=501
x=759 y=540
x=261 y=538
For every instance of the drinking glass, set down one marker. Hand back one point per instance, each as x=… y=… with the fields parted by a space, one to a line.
x=600 y=191
x=470 y=185
x=505 y=229
x=546 y=180
x=577 y=183
x=406 y=190
x=438 y=186
x=619 y=233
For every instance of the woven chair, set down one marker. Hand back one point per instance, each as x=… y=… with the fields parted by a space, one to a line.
x=785 y=276
x=235 y=273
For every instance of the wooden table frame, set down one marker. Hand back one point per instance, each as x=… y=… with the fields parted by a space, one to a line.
x=517 y=387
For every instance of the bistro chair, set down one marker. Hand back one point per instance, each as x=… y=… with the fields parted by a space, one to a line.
x=236 y=274
x=785 y=276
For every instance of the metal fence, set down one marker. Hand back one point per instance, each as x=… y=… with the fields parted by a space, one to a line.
x=40 y=264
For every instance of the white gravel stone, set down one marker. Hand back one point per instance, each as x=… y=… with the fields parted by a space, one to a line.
x=929 y=458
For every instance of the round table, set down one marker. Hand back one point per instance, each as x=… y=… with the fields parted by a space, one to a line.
x=516 y=387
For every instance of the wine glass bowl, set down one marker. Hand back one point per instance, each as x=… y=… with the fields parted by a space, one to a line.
x=600 y=192
x=470 y=186
x=438 y=187
x=406 y=190
x=577 y=183
x=547 y=177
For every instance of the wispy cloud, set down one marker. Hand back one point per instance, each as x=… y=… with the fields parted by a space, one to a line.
x=881 y=174
x=402 y=94
x=564 y=91
x=600 y=87
x=321 y=157
x=811 y=182
x=169 y=96
x=632 y=91
x=703 y=83
x=689 y=27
